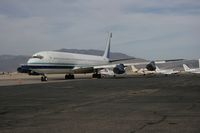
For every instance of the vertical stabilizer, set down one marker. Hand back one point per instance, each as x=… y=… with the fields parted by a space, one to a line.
x=133 y=68
x=107 y=50
x=157 y=68
x=199 y=63
x=186 y=68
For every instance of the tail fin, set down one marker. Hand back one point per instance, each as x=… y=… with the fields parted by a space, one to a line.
x=199 y=63
x=133 y=68
x=157 y=68
x=107 y=50
x=186 y=68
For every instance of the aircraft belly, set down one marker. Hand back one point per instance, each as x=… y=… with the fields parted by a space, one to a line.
x=53 y=71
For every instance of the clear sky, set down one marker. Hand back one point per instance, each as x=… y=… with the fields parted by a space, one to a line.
x=151 y=29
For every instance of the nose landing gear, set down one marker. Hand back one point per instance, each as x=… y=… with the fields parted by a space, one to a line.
x=95 y=75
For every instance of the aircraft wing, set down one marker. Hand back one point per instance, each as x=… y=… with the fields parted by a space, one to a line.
x=119 y=68
x=83 y=70
x=114 y=65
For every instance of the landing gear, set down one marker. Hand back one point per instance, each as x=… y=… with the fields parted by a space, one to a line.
x=95 y=75
x=69 y=76
x=44 y=78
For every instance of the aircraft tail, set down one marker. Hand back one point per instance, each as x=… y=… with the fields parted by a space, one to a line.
x=134 y=69
x=157 y=68
x=107 y=50
x=186 y=68
x=199 y=63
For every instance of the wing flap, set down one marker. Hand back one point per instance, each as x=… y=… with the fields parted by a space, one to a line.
x=78 y=70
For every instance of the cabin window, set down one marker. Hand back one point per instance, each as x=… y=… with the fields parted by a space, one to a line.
x=37 y=56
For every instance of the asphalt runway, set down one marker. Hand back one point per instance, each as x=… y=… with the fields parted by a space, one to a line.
x=156 y=104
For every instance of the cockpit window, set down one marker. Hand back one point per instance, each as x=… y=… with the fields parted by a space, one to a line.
x=37 y=56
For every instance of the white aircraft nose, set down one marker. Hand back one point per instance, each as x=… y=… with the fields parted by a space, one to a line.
x=31 y=61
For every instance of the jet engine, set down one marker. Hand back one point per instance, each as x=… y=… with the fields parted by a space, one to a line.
x=119 y=69
x=151 y=66
x=23 y=69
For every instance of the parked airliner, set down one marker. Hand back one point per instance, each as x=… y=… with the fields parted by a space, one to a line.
x=52 y=62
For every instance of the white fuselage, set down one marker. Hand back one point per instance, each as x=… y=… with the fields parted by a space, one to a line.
x=62 y=62
x=167 y=71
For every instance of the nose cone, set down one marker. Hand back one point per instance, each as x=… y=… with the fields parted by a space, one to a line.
x=30 y=61
x=37 y=58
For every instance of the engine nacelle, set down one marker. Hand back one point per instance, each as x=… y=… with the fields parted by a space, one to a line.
x=119 y=69
x=151 y=66
x=23 y=69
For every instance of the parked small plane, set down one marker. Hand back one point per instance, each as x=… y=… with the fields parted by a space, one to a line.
x=52 y=62
x=106 y=72
x=149 y=68
x=192 y=70
x=166 y=71
x=146 y=71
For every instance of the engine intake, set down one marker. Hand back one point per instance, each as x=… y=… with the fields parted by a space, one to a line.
x=25 y=69
x=151 y=66
x=119 y=69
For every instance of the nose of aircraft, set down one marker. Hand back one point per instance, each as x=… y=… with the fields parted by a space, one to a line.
x=31 y=60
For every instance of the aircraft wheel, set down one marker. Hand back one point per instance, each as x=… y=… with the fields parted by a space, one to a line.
x=69 y=76
x=96 y=76
x=66 y=77
x=44 y=78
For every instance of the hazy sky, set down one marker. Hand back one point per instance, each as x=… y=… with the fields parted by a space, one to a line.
x=151 y=29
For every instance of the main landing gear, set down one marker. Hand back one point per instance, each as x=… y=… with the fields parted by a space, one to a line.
x=69 y=76
x=96 y=75
x=44 y=78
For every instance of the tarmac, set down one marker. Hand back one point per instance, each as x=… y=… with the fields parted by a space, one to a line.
x=132 y=104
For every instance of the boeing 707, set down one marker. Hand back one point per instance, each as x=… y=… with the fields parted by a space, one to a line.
x=52 y=62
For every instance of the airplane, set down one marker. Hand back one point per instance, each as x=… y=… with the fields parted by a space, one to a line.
x=193 y=70
x=165 y=71
x=146 y=71
x=52 y=62
x=106 y=72
x=149 y=69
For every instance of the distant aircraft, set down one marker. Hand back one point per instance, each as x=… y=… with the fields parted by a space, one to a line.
x=166 y=71
x=106 y=72
x=149 y=68
x=193 y=70
x=146 y=71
